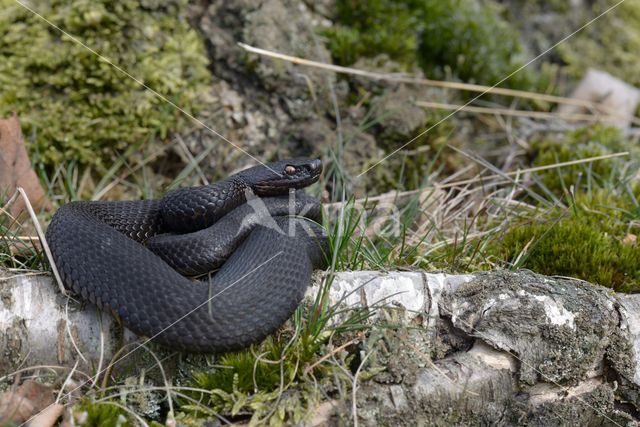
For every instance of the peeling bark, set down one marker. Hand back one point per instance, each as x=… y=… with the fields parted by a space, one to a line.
x=544 y=351
x=39 y=326
x=493 y=348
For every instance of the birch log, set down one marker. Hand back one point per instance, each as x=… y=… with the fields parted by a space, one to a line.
x=490 y=348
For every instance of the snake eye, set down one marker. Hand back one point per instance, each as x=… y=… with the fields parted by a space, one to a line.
x=290 y=170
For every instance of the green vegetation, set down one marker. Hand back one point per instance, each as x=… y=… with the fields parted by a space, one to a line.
x=611 y=43
x=594 y=237
x=370 y=28
x=72 y=104
x=467 y=38
x=470 y=38
x=88 y=414
x=587 y=242
x=83 y=116
x=584 y=223
x=577 y=221
x=582 y=143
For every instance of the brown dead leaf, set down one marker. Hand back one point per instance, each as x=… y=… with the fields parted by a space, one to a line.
x=30 y=401
x=14 y=408
x=16 y=170
x=47 y=417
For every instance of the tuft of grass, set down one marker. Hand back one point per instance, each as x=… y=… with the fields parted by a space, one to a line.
x=596 y=140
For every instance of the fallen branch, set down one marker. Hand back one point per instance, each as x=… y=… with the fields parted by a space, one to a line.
x=496 y=346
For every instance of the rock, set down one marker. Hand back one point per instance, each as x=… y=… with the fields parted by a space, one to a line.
x=400 y=118
x=264 y=101
x=559 y=330
x=615 y=100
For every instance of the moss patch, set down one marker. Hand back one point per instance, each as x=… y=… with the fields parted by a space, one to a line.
x=593 y=241
x=97 y=415
x=74 y=105
x=464 y=37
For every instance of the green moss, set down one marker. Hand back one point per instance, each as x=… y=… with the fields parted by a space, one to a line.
x=465 y=37
x=88 y=414
x=611 y=43
x=241 y=371
x=253 y=381
x=472 y=40
x=585 y=142
x=278 y=381
x=369 y=28
x=587 y=242
x=74 y=105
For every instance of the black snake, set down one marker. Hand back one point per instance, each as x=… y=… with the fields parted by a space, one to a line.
x=125 y=257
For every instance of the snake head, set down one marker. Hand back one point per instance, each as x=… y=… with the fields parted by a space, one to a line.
x=278 y=177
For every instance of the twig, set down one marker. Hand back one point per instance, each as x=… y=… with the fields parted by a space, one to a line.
x=38 y=367
x=516 y=113
x=66 y=380
x=331 y=353
x=43 y=241
x=34 y=273
x=428 y=82
x=171 y=414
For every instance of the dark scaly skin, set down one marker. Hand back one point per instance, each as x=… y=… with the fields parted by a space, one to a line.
x=99 y=250
x=202 y=251
x=195 y=208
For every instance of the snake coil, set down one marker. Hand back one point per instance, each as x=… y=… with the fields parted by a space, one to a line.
x=125 y=257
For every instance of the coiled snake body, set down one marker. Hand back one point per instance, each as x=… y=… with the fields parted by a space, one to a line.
x=125 y=257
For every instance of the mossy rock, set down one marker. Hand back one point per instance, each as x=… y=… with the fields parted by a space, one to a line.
x=466 y=38
x=76 y=105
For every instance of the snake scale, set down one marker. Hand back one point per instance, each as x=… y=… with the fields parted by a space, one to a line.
x=126 y=257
